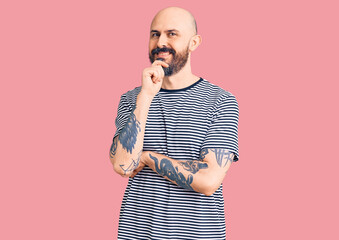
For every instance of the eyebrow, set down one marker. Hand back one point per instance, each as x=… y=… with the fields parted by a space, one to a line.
x=170 y=30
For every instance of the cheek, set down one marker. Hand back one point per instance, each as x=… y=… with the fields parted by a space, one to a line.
x=150 y=46
x=179 y=46
x=152 y=43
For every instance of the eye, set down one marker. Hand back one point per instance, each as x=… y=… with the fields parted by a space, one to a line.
x=155 y=35
x=172 y=34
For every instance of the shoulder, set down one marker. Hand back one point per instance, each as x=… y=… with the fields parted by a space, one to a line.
x=215 y=93
x=130 y=96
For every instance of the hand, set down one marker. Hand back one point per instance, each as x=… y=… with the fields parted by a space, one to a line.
x=152 y=78
x=142 y=164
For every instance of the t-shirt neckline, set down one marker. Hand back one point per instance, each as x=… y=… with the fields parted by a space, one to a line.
x=181 y=89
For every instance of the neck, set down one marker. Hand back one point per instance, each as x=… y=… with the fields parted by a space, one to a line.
x=182 y=79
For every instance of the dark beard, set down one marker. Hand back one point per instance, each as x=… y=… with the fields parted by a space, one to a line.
x=179 y=60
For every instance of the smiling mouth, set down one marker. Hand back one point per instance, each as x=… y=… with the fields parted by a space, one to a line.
x=163 y=54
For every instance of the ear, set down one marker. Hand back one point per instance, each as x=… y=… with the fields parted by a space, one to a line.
x=195 y=42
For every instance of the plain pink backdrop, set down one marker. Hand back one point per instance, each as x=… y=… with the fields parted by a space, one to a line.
x=64 y=65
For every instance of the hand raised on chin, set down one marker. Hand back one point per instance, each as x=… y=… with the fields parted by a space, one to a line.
x=152 y=78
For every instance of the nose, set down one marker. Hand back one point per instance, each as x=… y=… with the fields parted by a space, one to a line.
x=162 y=42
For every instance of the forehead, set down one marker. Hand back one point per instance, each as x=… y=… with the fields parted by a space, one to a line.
x=167 y=21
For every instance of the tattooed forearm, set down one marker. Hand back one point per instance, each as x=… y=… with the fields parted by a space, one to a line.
x=166 y=169
x=222 y=156
x=133 y=165
x=193 y=166
x=113 y=149
x=128 y=135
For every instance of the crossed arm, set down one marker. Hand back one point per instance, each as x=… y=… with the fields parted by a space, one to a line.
x=203 y=175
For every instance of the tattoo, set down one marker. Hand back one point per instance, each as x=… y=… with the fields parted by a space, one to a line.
x=134 y=164
x=193 y=166
x=166 y=169
x=203 y=153
x=222 y=155
x=128 y=135
x=113 y=149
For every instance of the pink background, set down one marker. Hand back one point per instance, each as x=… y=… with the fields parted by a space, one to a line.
x=64 y=65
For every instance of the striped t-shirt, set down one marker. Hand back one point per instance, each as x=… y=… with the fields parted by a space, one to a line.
x=179 y=124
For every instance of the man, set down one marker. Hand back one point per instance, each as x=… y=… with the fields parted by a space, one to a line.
x=176 y=138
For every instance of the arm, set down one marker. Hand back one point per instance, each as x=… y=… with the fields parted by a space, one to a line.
x=204 y=175
x=127 y=147
x=219 y=150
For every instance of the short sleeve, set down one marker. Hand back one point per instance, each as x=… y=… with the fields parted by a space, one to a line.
x=124 y=111
x=223 y=131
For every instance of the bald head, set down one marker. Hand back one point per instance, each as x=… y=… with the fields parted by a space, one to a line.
x=173 y=36
x=176 y=16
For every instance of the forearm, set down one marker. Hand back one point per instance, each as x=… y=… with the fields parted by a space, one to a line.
x=193 y=175
x=127 y=146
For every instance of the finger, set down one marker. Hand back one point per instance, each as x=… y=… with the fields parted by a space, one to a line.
x=160 y=63
x=160 y=71
x=138 y=169
x=161 y=74
x=155 y=75
x=133 y=174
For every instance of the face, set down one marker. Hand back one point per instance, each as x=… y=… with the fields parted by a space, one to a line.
x=176 y=63
x=169 y=42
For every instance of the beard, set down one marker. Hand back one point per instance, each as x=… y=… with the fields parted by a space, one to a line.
x=178 y=61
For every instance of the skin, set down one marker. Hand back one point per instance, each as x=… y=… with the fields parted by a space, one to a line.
x=205 y=176
x=202 y=175
x=185 y=37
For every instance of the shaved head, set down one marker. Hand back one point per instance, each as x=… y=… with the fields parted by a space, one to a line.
x=173 y=36
x=186 y=18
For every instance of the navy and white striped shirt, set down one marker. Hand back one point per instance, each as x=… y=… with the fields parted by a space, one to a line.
x=179 y=124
